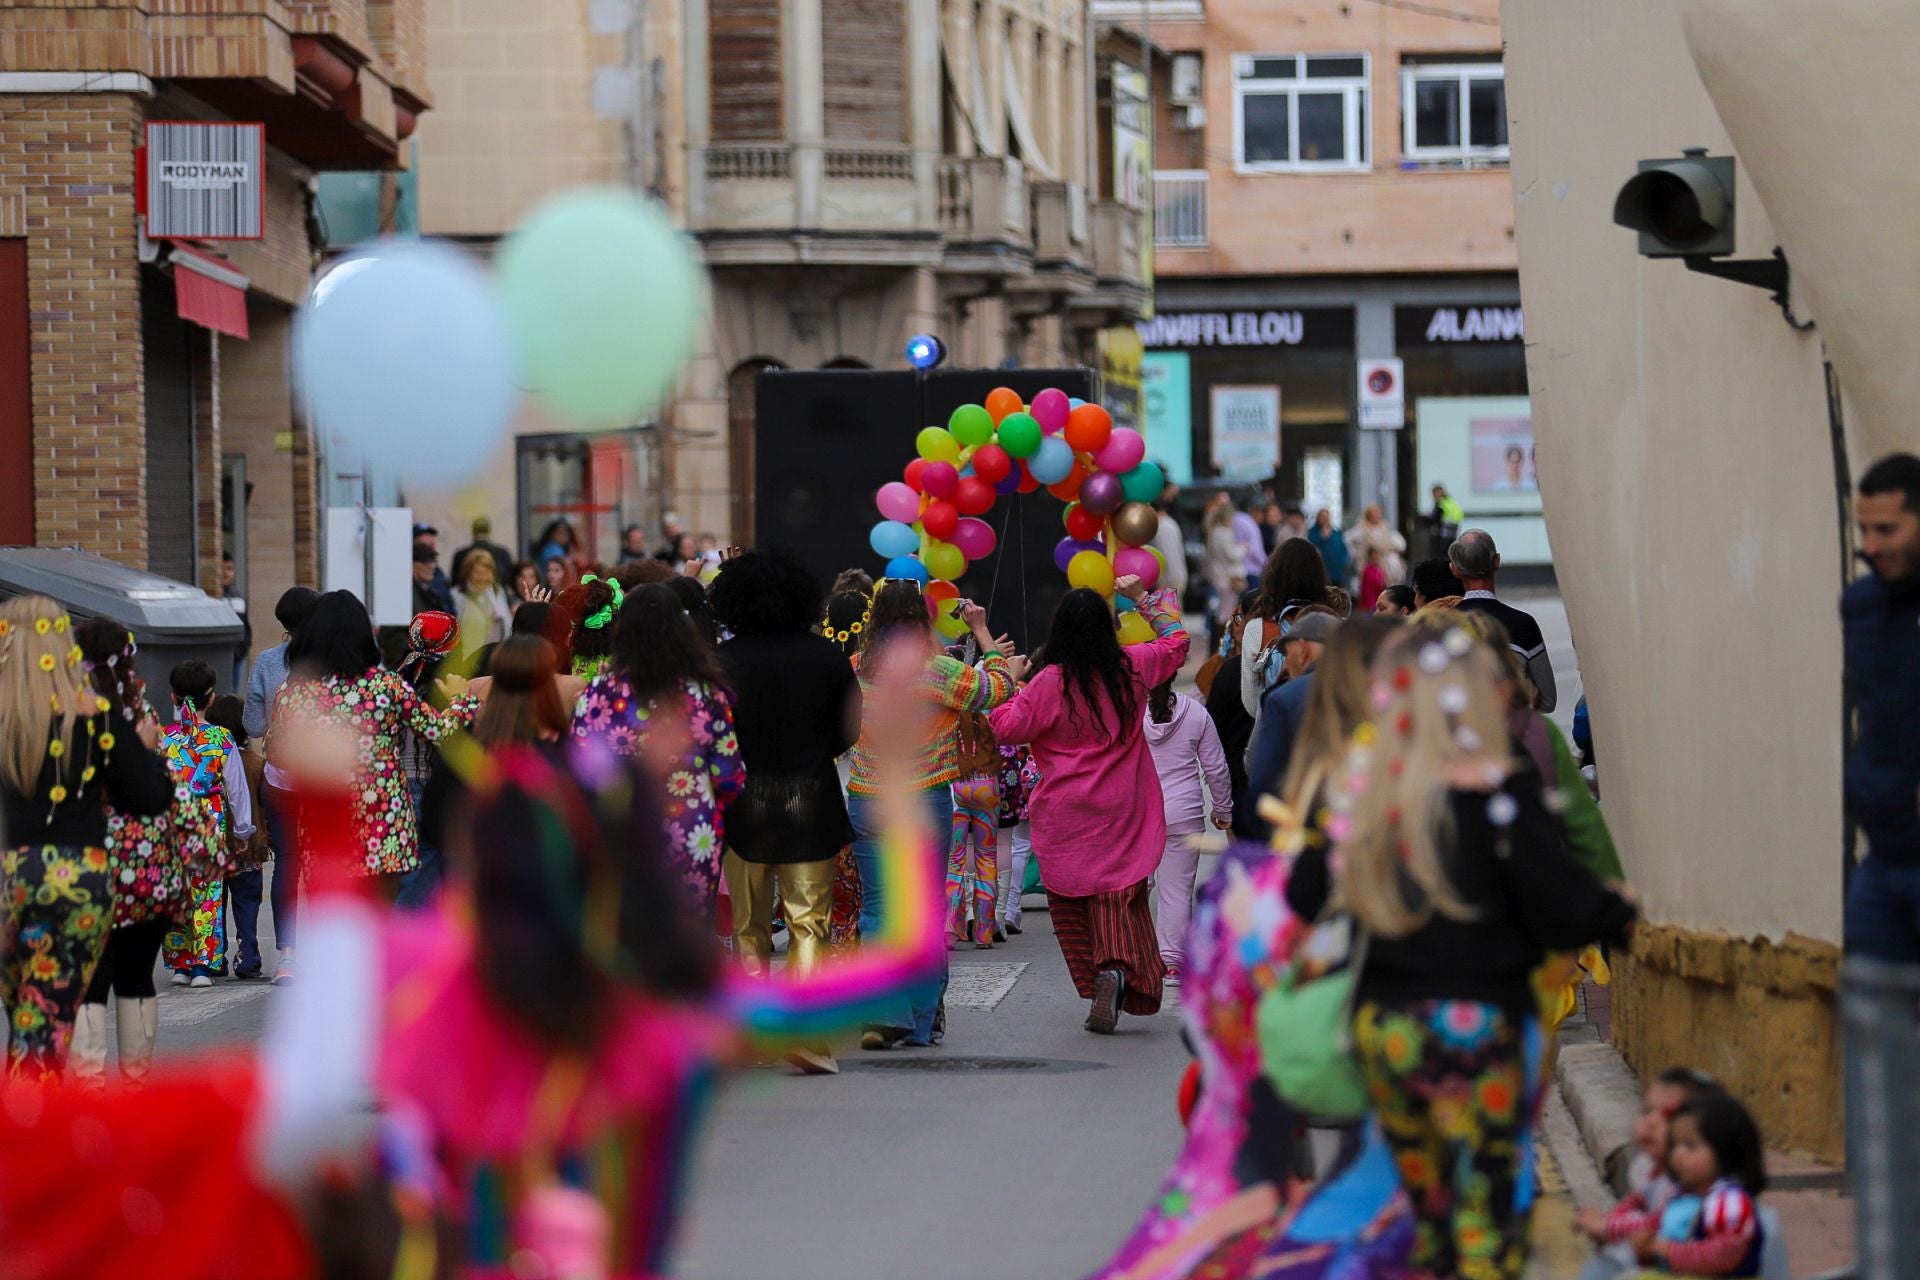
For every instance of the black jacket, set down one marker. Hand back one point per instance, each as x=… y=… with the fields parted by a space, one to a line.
x=132 y=778
x=1882 y=626
x=796 y=708
x=1528 y=894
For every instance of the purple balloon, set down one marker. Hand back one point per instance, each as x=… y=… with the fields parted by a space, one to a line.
x=1067 y=548
x=1010 y=483
x=1101 y=493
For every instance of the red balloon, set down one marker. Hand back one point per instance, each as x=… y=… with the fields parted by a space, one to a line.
x=913 y=471
x=991 y=463
x=1067 y=490
x=1082 y=523
x=1088 y=428
x=939 y=591
x=1027 y=483
x=974 y=497
x=940 y=519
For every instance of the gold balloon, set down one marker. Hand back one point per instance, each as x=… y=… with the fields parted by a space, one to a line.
x=1135 y=524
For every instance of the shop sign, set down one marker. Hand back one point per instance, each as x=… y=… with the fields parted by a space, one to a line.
x=1167 y=406
x=1383 y=394
x=1415 y=326
x=1224 y=329
x=1246 y=432
x=204 y=181
x=1133 y=159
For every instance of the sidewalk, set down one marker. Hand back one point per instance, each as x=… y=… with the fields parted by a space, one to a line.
x=1602 y=1097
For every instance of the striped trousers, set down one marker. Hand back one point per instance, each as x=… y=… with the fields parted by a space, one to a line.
x=1111 y=931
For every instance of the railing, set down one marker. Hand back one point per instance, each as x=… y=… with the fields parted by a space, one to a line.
x=956 y=197
x=1180 y=208
x=873 y=164
x=750 y=160
x=985 y=198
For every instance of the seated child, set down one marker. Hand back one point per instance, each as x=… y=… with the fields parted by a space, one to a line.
x=1650 y=1186
x=1711 y=1227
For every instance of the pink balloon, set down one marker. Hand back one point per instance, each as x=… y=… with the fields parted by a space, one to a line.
x=897 y=502
x=941 y=479
x=1138 y=562
x=1050 y=409
x=1122 y=452
x=974 y=538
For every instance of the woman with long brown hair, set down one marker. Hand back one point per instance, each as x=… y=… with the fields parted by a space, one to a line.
x=63 y=758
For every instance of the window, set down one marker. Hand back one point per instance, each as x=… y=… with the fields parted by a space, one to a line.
x=1300 y=113
x=1454 y=113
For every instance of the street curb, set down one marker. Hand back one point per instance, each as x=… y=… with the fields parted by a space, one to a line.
x=1603 y=1098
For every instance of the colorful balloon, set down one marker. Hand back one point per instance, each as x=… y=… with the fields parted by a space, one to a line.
x=1020 y=435
x=1002 y=401
x=939 y=479
x=912 y=475
x=1010 y=483
x=940 y=592
x=1139 y=563
x=974 y=497
x=936 y=444
x=890 y=538
x=1143 y=483
x=944 y=560
x=1088 y=428
x=974 y=538
x=1053 y=462
x=947 y=624
x=908 y=567
x=1082 y=523
x=971 y=424
x=1122 y=452
x=1067 y=548
x=1134 y=629
x=605 y=298
x=1091 y=570
x=939 y=520
x=1027 y=483
x=1050 y=409
x=1101 y=493
x=1135 y=523
x=991 y=463
x=897 y=502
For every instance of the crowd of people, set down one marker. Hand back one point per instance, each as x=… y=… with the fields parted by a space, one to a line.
x=554 y=827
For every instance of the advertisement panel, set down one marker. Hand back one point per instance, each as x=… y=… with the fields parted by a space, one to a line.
x=1246 y=432
x=1166 y=395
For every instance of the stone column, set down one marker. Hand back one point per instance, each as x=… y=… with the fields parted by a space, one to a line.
x=991 y=115
x=924 y=107
x=697 y=100
x=802 y=57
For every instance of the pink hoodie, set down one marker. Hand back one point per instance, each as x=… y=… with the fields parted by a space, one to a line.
x=1186 y=739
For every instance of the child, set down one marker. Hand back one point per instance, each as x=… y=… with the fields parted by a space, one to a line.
x=1373 y=581
x=972 y=875
x=211 y=759
x=1711 y=1226
x=1019 y=775
x=1185 y=745
x=1651 y=1186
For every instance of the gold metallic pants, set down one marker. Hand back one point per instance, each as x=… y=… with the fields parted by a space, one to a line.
x=807 y=890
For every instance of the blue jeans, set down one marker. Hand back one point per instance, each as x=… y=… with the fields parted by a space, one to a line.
x=243 y=896
x=1883 y=911
x=915 y=1010
x=418 y=886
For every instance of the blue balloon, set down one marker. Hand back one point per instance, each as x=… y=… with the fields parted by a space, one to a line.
x=1074 y=402
x=1008 y=484
x=404 y=356
x=1053 y=463
x=1123 y=604
x=908 y=567
x=890 y=538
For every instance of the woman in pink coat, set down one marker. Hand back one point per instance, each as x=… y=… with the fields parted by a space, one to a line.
x=1184 y=743
x=1098 y=824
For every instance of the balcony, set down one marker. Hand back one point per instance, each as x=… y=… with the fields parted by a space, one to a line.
x=1062 y=252
x=779 y=202
x=986 y=216
x=1130 y=11
x=1119 y=263
x=1180 y=208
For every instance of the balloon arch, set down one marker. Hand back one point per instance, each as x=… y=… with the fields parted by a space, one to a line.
x=931 y=527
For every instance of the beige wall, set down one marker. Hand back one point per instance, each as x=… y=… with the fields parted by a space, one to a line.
x=1688 y=486
x=1383 y=220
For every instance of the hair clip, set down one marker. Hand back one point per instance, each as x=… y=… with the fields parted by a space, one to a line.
x=1453 y=699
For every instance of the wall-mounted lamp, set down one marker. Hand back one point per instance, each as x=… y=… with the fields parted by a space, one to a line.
x=1684 y=208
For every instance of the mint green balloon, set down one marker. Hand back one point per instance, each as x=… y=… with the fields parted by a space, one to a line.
x=605 y=297
x=1143 y=483
x=971 y=424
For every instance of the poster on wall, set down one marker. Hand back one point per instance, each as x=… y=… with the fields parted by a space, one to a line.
x=1324 y=485
x=1246 y=432
x=1166 y=397
x=1503 y=459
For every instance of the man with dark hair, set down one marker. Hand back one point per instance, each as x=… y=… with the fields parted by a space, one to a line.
x=633 y=543
x=426 y=573
x=237 y=601
x=483 y=541
x=1283 y=707
x=1433 y=580
x=1880 y=617
x=1475 y=561
x=263 y=686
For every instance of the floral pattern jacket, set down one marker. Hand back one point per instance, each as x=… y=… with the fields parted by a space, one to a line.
x=154 y=860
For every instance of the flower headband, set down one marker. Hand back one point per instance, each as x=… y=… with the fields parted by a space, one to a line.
x=598 y=620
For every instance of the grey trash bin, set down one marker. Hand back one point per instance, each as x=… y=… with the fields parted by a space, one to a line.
x=172 y=622
x=1880 y=1011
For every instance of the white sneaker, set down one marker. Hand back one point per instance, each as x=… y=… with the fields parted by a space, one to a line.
x=179 y=979
x=201 y=980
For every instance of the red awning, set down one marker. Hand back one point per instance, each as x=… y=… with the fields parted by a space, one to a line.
x=210 y=292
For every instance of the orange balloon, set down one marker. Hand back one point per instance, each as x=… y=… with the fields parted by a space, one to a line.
x=939 y=592
x=1089 y=427
x=1067 y=490
x=1002 y=401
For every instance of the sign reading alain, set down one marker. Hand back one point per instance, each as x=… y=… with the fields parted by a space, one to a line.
x=1429 y=326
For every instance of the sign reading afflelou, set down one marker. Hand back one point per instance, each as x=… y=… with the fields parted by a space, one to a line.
x=205 y=181
x=1308 y=327
x=1426 y=326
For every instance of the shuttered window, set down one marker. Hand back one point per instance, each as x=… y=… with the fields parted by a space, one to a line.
x=171 y=510
x=865 y=70
x=743 y=45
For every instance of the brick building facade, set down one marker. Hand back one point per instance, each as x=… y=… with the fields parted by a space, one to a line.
x=154 y=431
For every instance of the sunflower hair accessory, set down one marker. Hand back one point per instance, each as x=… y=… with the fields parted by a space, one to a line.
x=600 y=619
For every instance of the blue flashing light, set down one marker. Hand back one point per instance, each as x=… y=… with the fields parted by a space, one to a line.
x=924 y=351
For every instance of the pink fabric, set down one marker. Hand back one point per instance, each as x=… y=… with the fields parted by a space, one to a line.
x=1098 y=825
x=1173 y=892
x=1189 y=739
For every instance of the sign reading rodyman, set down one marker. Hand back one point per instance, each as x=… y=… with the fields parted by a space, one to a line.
x=205 y=181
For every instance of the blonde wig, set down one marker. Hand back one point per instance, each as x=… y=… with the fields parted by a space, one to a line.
x=41 y=681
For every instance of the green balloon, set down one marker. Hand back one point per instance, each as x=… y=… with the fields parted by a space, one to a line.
x=1143 y=483
x=971 y=424
x=1020 y=435
x=605 y=298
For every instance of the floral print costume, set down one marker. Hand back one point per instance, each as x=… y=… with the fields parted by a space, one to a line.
x=377 y=704
x=153 y=859
x=199 y=751
x=705 y=774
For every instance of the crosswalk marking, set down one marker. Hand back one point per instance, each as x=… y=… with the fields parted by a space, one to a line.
x=982 y=986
